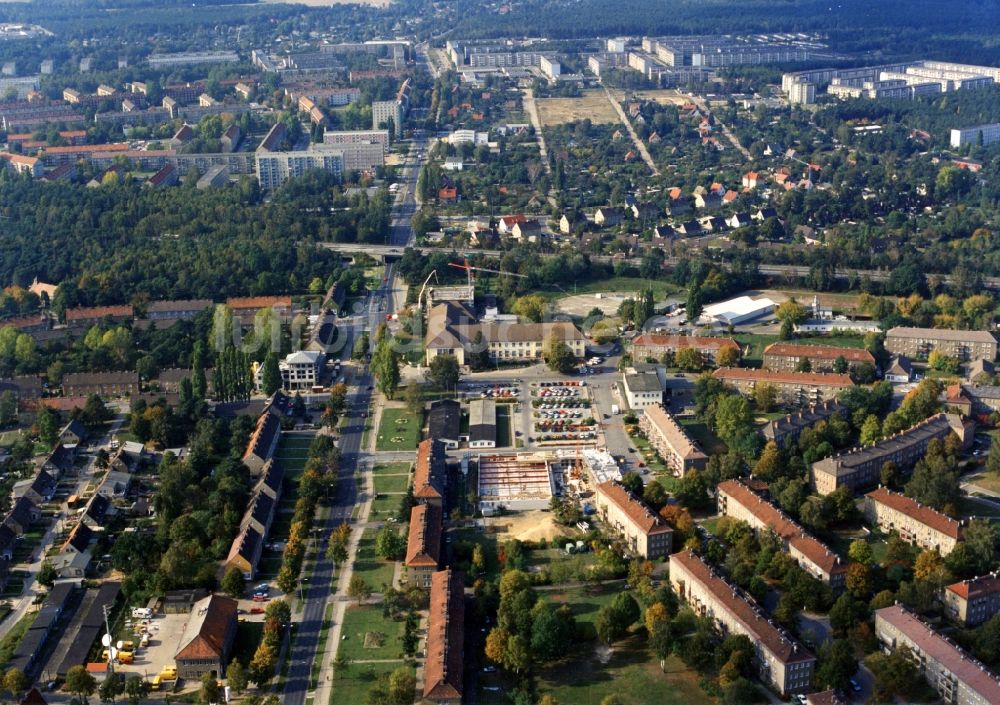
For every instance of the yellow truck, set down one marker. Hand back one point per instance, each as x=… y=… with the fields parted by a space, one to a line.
x=169 y=673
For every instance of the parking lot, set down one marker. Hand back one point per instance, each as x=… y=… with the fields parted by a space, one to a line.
x=561 y=411
x=165 y=632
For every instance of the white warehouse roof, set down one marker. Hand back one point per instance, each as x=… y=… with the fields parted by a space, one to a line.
x=740 y=309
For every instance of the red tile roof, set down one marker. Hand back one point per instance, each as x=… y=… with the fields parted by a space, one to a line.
x=934 y=646
x=424 y=485
x=976 y=587
x=684 y=341
x=642 y=517
x=819 y=352
x=921 y=513
x=257 y=302
x=88 y=148
x=423 y=544
x=208 y=625
x=817 y=379
x=445 y=638
x=755 y=622
x=827 y=560
x=94 y=312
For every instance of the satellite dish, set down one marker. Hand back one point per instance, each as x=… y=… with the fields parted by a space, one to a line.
x=119 y=645
x=106 y=640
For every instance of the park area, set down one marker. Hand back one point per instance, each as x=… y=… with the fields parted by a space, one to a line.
x=398 y=429
x=368 y=636
x=592 y=105
x=370 y=567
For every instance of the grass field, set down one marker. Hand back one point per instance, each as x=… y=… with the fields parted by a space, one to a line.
x=986 y=480
x=14 y=636
x=632 y=673
x=368 y=619
x=373 y=569
x=351 y=684
x=709 y=442
x=384 y=507
x=398 y=430
x=592 y=104
x=392 y=483
x=586 y=602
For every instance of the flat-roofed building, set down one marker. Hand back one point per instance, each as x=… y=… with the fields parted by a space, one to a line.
x=860 y=467
x=655 y=346
x=445 y=662
x=915 y=523
x=737 y=500
x=794 y=388
x=644 y=531
x=423 y=545
x=972 y=602
x=642 y=389
x=782 y=662
x=680 y=453
x=786 y=357
x=918 y=343
x=482 y=423
x=957 y=677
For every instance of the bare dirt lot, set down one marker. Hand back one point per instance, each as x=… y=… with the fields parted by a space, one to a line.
x=592 y=104
x=663 y=97
x=582 y=304
x=527 y=526
x=841 y=302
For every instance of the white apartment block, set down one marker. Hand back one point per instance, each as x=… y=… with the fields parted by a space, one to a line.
x=384 y=111
x=978 y=135
x=275 y=168
x=339 y=138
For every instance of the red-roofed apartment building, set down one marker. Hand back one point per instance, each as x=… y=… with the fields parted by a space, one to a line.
x=740 y=502
x=782 y=662
x=786 y=357
x=914 y=522
x=974 y=601
x=207 y=639
x=644 y=531
x=423 y=545
x=445 y=640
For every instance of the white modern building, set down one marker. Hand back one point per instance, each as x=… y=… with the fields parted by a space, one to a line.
x=299 y=371
x=978 y=135
x=738 y=310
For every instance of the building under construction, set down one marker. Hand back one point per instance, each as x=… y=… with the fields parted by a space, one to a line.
x=520 y=482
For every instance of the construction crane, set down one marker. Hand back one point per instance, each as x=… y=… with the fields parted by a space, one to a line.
x=420 y=296
x=472 y=279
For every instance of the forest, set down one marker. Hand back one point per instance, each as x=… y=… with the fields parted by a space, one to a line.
x=120 y=243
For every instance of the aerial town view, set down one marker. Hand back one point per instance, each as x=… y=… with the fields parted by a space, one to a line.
x=512 y=352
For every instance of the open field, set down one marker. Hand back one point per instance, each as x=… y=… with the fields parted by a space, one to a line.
x=364 y=629
x=662 y=96
x=630 y=671
x=531 y=525
x=613 y=291
x=592 y=105
x=398 y=430
x=392 y=483
x=373 y=569
x=351 y=684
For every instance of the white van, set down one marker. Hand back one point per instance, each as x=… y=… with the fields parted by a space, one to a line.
x=141 y=613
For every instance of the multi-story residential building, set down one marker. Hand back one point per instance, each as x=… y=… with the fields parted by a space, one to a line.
x=957 y=677
x=176 y=310
x=976 y=135
x=737 y=500
x=191 y=58
x=655 y=346
x=430 y=473
x=789 y=427
x=860 y=467
x=452 y=329
x=793 y=388
x=914 y=522
x=918 y=343
x=972 y=602
x=338 y=138
x=680 y=453
x=86 y=317
x=781 y=661
x=645 y=532
x=300 y=370
x=445 y=662
x=385 y=112
x=208 y=638
x=786 y=357
x=266 y=435
x=275 y=168
x=246 y=308
x=642 y=389
x=423 y=545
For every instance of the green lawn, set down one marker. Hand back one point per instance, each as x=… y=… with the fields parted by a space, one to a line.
x=392 y=483
x=351 y=684
x=632 y=673
x=585 y=602
x=398 y=430
x=384 y=507
x=562 y=567
x=14 y=636
x=392 y=468
x=368 y=619
x=625 y=285
x=968 y=506
x=709 y=442
x=374 y=570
